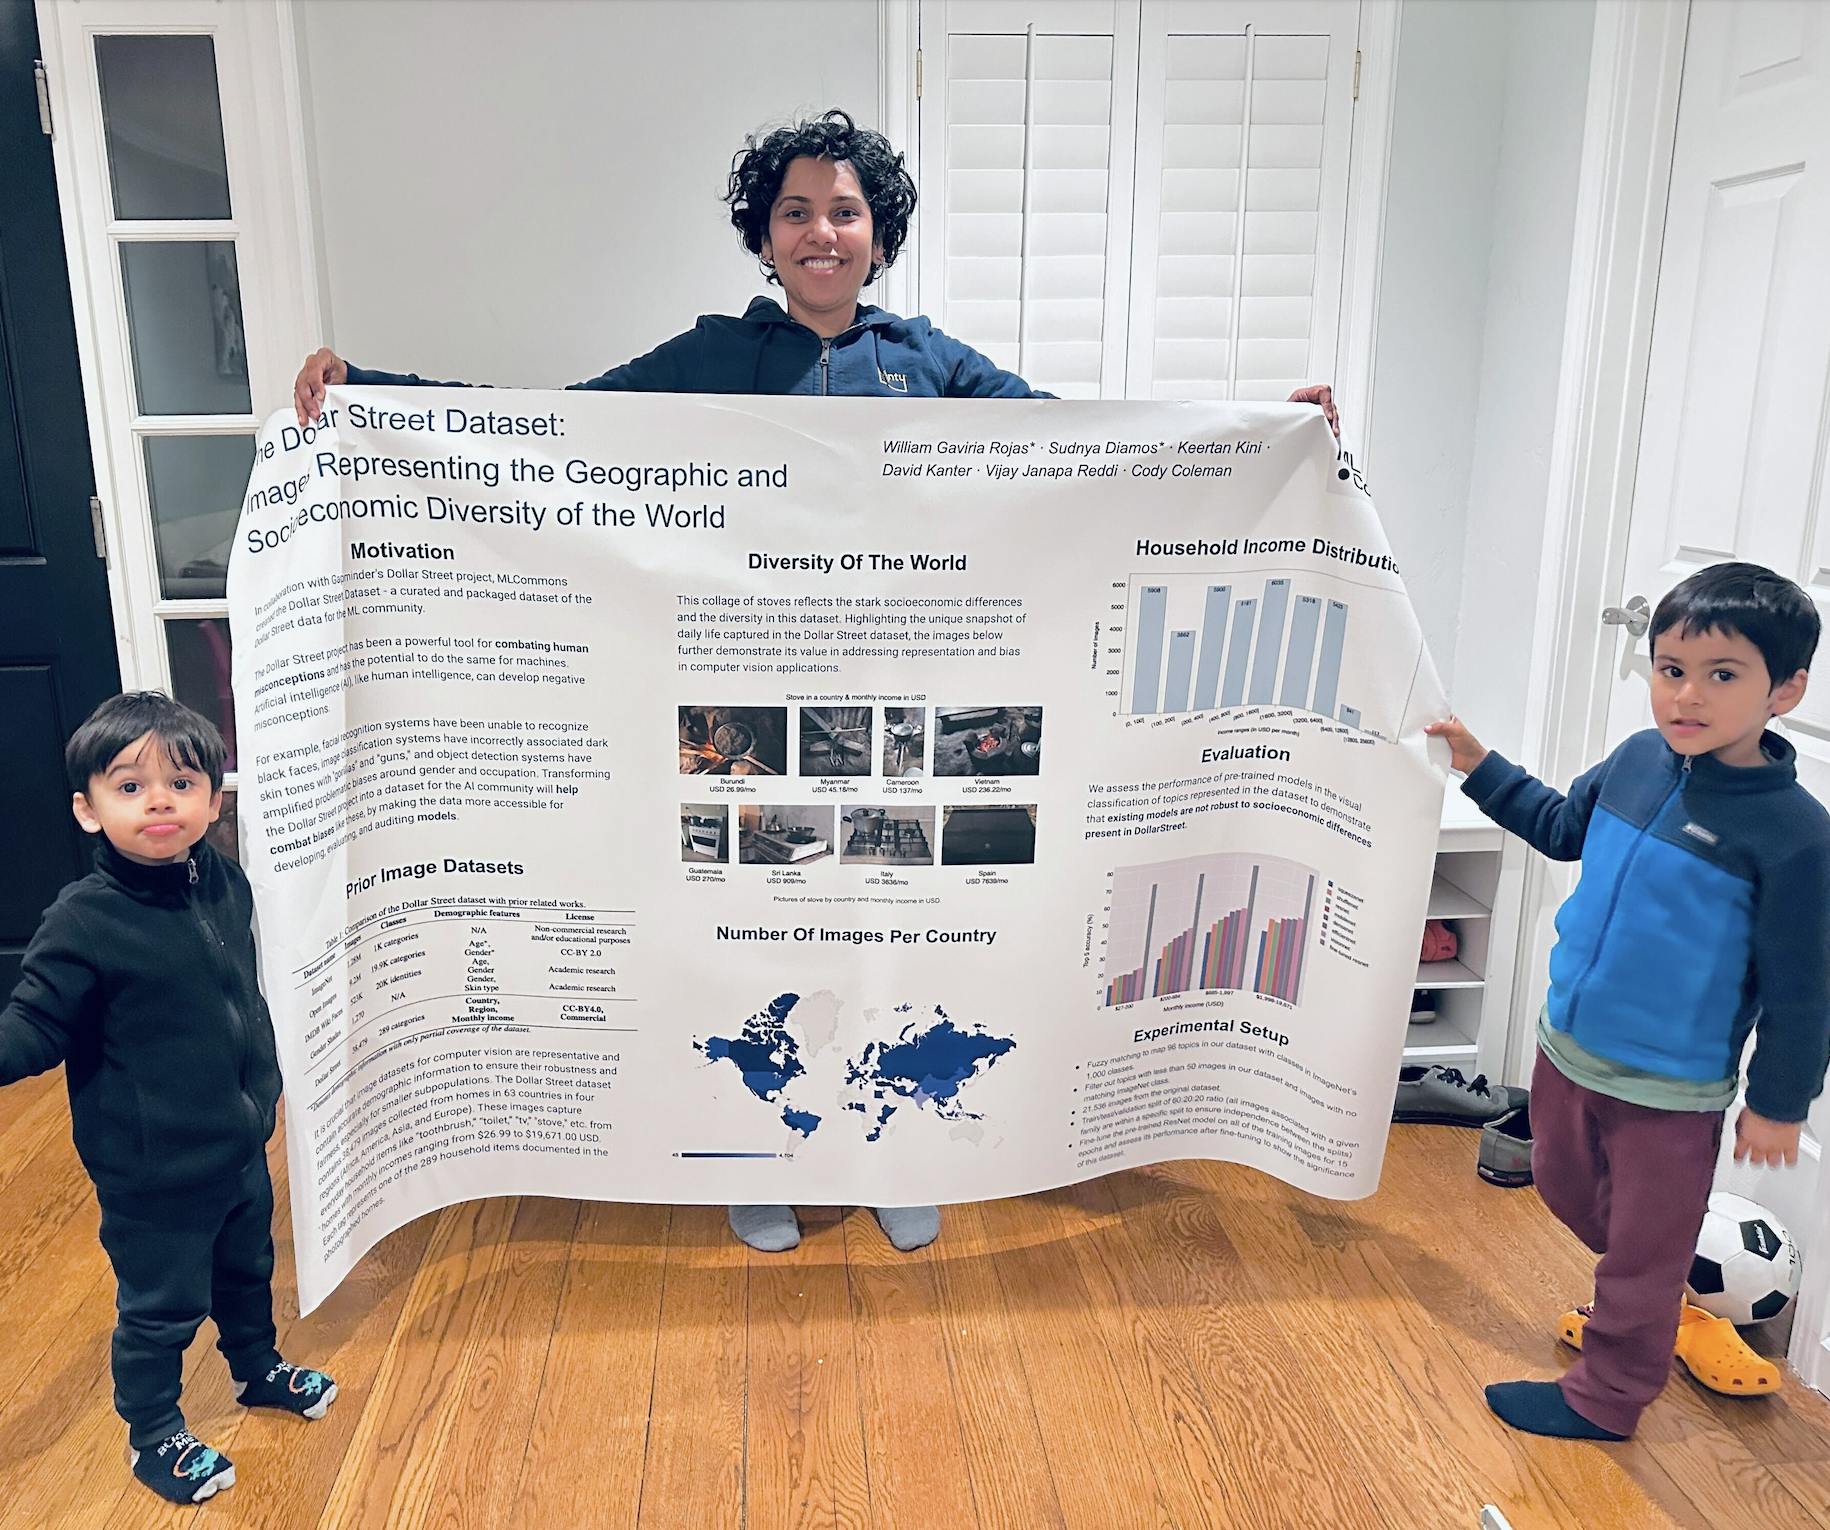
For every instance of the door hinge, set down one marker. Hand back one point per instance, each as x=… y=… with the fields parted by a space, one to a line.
x=918 y=74
x=1356 y=74
x=43 y=82
x=100 y=529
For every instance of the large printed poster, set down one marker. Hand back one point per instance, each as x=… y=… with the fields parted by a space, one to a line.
x=858 y=801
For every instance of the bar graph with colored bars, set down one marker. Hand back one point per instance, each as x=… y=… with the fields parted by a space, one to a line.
x=1267 y=648
x=1208 y=924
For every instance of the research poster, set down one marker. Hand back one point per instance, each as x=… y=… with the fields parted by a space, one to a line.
x=822 y=801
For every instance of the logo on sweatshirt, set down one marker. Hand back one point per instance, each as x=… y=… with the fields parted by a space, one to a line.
x=896 y=382
x=1697 y=831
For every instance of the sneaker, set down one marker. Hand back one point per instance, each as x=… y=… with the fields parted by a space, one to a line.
x=291 y=1388
x=1505 y=1156
x=1439 y=1096
x=182 y=1469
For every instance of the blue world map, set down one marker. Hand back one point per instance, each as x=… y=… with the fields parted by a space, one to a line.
x=928 y=1065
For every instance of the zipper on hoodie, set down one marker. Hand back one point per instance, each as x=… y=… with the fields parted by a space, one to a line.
x=1620 y=884
x=825 y=365
x=214 y=942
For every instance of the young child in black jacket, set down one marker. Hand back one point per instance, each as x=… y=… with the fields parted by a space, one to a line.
x=141 y=981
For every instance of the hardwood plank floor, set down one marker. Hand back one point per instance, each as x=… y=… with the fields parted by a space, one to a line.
x=1192 y=1345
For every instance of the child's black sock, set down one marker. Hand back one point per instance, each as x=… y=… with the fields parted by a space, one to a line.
x=291 y=1388
x=1538 y=1407
x=182 y=1469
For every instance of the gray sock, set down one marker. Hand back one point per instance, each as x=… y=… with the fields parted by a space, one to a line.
x=772 y=1229
x=909 y=1227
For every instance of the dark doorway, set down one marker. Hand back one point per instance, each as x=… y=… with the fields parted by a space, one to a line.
x=57 y=653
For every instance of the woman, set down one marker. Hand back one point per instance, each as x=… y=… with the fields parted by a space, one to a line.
x=825 y=207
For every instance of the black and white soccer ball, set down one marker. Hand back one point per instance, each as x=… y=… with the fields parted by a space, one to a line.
x=1747 y=1267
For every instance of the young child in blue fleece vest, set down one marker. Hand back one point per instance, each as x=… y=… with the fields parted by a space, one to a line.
x=1702 y=914
x=141 y=982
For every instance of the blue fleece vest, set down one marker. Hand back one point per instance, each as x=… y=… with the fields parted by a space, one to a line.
x=1702 y=912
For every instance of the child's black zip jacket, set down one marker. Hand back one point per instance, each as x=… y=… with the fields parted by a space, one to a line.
x=141 y=981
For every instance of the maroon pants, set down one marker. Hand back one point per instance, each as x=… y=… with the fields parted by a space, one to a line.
x=1633 y=1184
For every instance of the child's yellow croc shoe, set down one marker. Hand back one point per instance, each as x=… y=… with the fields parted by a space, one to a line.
x=1720 y=1358
x=1571 y=1324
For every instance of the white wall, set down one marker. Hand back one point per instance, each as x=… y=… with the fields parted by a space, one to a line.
x=1433 y=297
x=1534 y=213
x=528 y=193
x=1486 y=144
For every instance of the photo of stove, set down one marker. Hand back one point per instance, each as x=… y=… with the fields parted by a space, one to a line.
x=783 y=836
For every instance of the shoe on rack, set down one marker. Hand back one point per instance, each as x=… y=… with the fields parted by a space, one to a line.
x=1439 y=1096
x=1505 y=1155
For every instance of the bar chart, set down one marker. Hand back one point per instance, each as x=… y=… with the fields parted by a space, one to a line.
x=1198 y=644
x=1207 y=924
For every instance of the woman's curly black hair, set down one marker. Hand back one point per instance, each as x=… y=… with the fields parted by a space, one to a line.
x=760 y=166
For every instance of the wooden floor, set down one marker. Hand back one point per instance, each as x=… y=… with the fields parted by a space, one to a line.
x=1193 y=1345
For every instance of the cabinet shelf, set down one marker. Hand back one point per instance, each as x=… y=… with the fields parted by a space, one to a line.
x=1445 y=1040
x=1449 y=974
x=1476 y=888
x=1447 y=901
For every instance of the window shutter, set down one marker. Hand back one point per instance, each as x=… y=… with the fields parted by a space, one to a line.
x=1142 y=202
x=1028 y=144
x=1241 y=200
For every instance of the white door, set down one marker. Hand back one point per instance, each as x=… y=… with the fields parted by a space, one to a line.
x=1737 y=418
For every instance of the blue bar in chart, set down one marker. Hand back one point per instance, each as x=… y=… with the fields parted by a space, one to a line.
x=1152 y=602
x=1278 y=648
x=1213 y=639
x=1243 y=613
x=1270 y=640
x=1295 y=691
x=1181 y=666
x=1328 y=672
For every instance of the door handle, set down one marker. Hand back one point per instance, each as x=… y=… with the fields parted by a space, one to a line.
x=1635 y=616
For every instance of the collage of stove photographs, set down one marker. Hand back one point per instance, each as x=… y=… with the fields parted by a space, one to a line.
x=869 y=743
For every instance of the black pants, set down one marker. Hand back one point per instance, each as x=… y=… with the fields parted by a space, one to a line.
x=178 y=1260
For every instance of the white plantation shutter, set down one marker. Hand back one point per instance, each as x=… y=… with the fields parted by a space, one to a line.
x=1143 y=201
x=1242 y=144
x=1017 y=258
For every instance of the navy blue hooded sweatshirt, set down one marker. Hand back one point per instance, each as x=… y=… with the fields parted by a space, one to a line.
x=1703 y=913
x=141 y=982
x=767 y=352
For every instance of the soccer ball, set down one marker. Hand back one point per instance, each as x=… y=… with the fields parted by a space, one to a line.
x=1747 y=1266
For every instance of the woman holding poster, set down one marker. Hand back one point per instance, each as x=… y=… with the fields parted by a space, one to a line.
x=825 y=207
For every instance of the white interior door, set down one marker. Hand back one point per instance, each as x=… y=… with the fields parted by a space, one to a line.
x=1737 y=416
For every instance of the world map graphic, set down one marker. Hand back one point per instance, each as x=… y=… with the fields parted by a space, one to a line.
x=930 y=1064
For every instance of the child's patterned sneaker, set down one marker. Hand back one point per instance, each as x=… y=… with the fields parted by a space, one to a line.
x=291 y=1388
x=182 y=1469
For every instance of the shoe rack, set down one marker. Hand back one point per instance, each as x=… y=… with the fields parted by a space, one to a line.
x=1475 y=889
